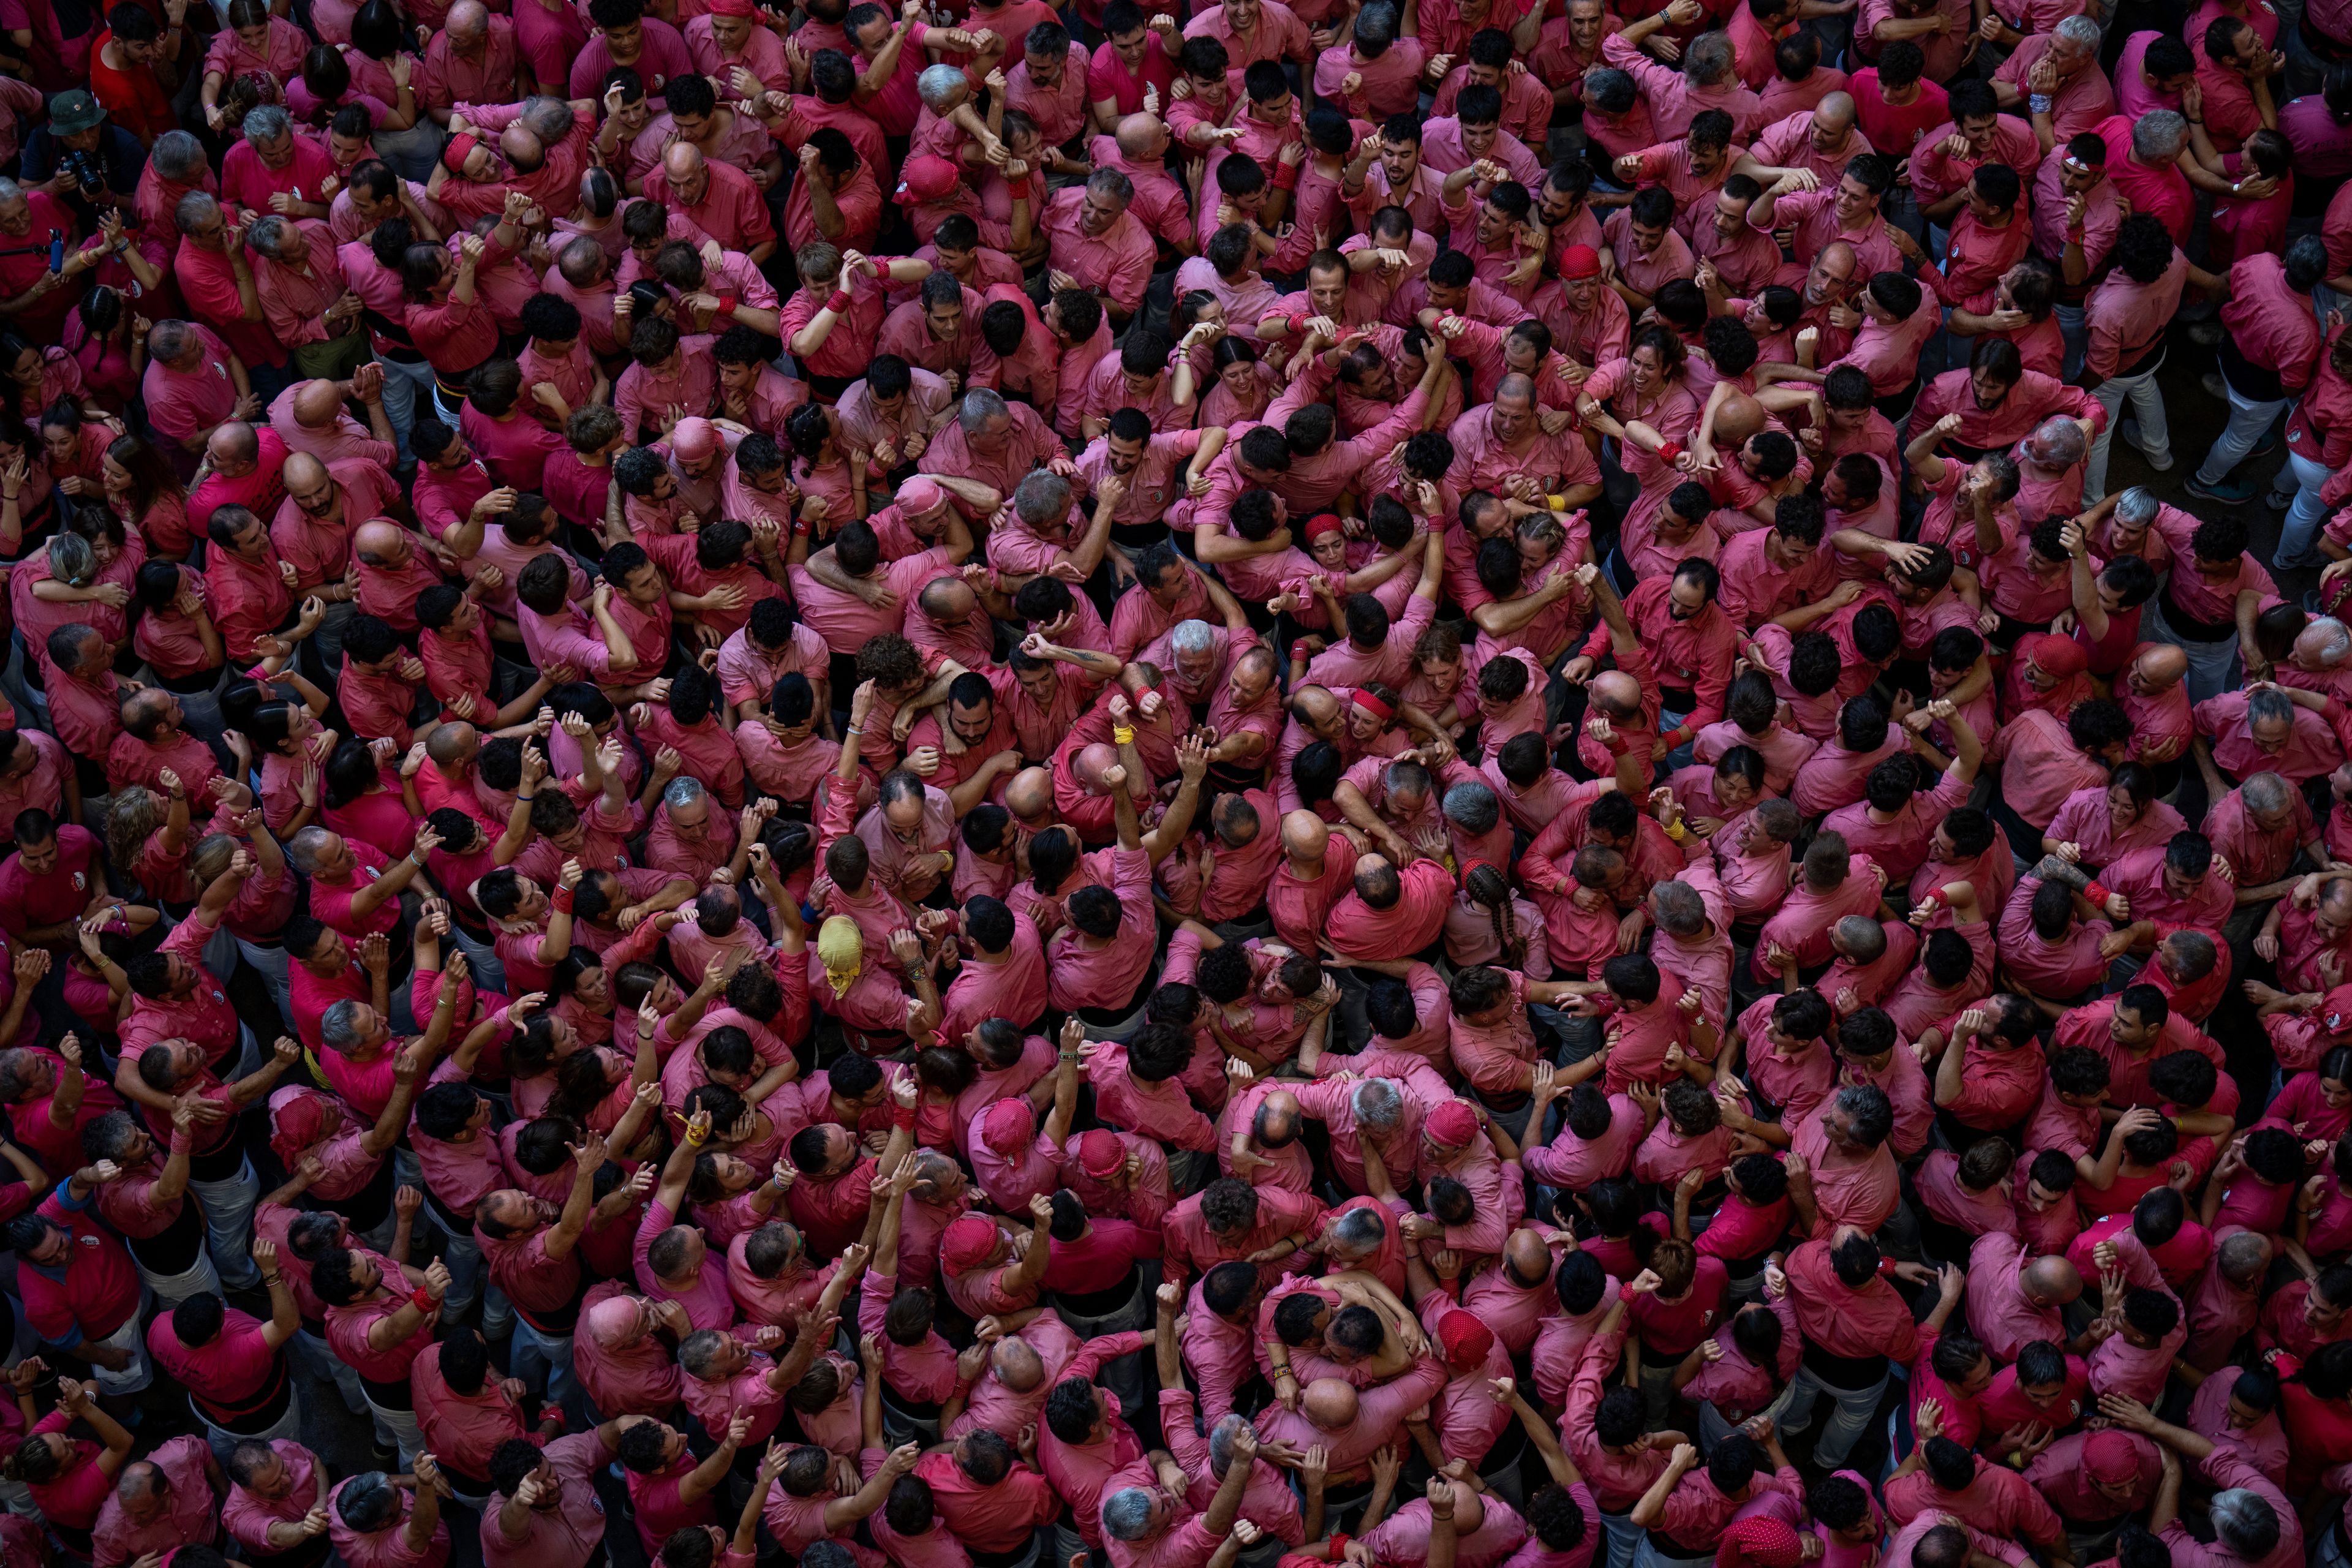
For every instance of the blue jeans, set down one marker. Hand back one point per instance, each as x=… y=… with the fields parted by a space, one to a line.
x=2248 y=420
x=1852 y=1411
x=544 y=1364
x=2305 y=516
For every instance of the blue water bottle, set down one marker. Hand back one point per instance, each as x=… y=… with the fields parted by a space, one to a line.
x=57 y=251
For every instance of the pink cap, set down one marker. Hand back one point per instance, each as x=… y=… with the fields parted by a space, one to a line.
x=966 y=1242
x=928 y=179
x=1451 y=1125
x=2110 y=1456
x=1466 y=1340
x=1581 y=261
x=1009 y=1124
x=919 y=494
x=1100 y=1155
x=694 y=437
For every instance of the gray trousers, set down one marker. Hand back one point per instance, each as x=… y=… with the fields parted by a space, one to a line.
x=1851 y=1415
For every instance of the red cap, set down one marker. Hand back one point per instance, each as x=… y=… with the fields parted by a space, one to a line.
x=1323 y=523
x=1466 y=1340
x=967 y=1243
x=1761 y=1541
x=1100 y=1155
x=928 y=179
x=2111 y=1456
x=1009 y=1124
x=1451 y=1125
x=460 y=148
x=1581 y=261
x=731 y=7
x=2060 y=657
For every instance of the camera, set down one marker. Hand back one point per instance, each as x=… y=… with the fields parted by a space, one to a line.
x=87 y=169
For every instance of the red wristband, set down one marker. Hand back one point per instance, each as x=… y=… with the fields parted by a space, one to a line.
x=1669 y=450
x=422 y=1299
x=1339 y=1539
x=2094 y=892
x=902 y=1115
x=562 y=899
x=1285 y=176
x=1298 y=323
x=726 y=311
x=839 y=302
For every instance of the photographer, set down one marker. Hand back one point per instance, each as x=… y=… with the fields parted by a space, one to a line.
x=82 y=158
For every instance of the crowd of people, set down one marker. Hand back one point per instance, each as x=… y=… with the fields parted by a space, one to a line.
x=1363 y=781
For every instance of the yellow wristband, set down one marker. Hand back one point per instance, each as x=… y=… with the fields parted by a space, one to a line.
x=1557 y=503
x=693 y=1141
x=1122 y=735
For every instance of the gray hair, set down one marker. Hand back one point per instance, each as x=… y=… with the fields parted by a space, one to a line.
x=10 y=190
x=2061 y=438
x=2158 y=136
x=266 y=123
x=267 y=235
x=2269 y=703
x=2138 y=505
x=72 y=560
x=2245 y=1521
x=1707 y=58
x=1042 y=497
x=176 y=156
x=699 y=1351
x=1192 y=636
x=2339 y=636
x=1471 y=806
x=979 y=406
x=1112 y=182
x=1127 y=1512
x=340 y=1029
x=2079 y=29
x=307 y=848
x=195 y=207
x=1359 y=1229
x=1221 y=1439
x=1680 y=910
x=1377 y=1104
x=683 y=791
x=2266 y=792
x=940 y=87
x=167 y=341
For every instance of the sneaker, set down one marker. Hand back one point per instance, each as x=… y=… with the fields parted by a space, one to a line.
x=2232 y=493
x=2214 y=384
x=2278 y=502
x=2130 y=434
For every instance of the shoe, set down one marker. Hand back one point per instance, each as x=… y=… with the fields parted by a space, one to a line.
x=2232 y=493
x=2130 y=434
x=2214 y=384
x=2278 y=502
x=2264 y=447
x=2209 y=333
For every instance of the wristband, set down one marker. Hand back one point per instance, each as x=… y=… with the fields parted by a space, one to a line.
x=1298 y=323
x=725 y=312
x=1339 y=1539
x=902 y=1115
x=1285 y=176
x=2039 y=102
x=562 y=899
x=422 y=1299
x=1676 y=831
x=1122 y=735
x=1556 y=503
x=2094 y=892
x=1670 y=450
x=696 y=1139
x=839 y=302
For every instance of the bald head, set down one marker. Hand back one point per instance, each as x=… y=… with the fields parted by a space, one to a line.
x=1305 y=835
x=2243 y=1257
x=1030 y=796
x=233 y=448
x=682 y=163
x=304 y=473
x=1277 y=1119
x=1833 y=116
x=317 y=402
x=1330 y=1404
x=1017 y=1365
x=1739 y=417
x=522 y=148
x=1141 y=136
x=950 y=601
x=452 y=743
x=2161 y=667
x=2051 y=1281
x=1616 y=693
x=469 y=20
x=1526 y=1256
x=1316 y=707
x=1090 y=763
x=380 y=543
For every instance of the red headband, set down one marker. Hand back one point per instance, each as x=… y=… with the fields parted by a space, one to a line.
x=460 y=148
x=1372 y=705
